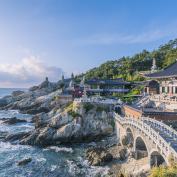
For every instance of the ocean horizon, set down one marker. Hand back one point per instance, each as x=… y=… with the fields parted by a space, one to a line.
x=8 y=91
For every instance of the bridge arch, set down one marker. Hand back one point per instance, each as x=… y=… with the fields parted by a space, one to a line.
x=140 y=144
x=140 y=148
x=130 y=136
x=157 y=159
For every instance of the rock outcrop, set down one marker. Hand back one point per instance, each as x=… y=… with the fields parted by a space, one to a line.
x=73 y=124
x=38 y=99
x=24 y=162
x=98 y=156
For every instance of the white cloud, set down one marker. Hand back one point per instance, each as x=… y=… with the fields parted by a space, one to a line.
x=29 y=71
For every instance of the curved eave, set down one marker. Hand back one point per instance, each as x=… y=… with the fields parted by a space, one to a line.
x=161 y=77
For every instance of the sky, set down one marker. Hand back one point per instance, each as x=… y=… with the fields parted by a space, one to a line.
x=40 y=38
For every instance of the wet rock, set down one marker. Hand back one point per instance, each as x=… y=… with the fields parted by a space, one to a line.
x=123 y=154
x=3 y=135
x=24 y=162
x=98 y=156
x=17 y=93
x=13 y=120
x=17 y=136
x=40 y=120
x=37 y=110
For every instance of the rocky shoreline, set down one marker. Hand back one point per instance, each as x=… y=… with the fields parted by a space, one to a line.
x=59 y=122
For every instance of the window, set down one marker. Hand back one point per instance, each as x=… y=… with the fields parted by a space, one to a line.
x=175 y=89
x=163 y=89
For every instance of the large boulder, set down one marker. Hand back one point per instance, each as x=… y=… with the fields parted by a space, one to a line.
x=98 y=156
x=123 y=154
x=24 y=162
x=60 y=119
x=41 y=120
x=17 y=93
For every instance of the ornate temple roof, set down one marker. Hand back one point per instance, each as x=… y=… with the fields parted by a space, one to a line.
x=169 y=72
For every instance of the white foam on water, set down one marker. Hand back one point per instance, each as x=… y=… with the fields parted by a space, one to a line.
x=41 y=159
x=53 y=167
x=72 y=167
x=93 y=170
x=60 y=149
x=6 y=146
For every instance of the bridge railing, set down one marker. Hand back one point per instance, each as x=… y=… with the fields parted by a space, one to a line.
x=160 y=142
x=168 y=129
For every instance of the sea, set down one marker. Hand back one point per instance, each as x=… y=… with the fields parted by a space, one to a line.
x=53 y=161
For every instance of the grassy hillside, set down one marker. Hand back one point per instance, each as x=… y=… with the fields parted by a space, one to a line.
x=128 y=67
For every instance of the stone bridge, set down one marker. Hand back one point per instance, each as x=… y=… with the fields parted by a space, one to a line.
x=148 y=135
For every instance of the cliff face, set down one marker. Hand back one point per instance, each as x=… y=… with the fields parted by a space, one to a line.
x=72 y=123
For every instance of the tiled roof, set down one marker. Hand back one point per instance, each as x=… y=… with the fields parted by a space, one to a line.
x=118 y=81
x=171 y=71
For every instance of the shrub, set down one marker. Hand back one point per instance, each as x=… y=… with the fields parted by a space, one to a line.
x=69 y=106
x=74 y=114
x=164 y=172
x=88 y=107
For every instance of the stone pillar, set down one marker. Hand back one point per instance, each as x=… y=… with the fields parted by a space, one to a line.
x=166 y=89
x=170 y=90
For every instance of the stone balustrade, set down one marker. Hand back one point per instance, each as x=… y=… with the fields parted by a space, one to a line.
x=163 y=99
x=97 y=100
x=142 y=125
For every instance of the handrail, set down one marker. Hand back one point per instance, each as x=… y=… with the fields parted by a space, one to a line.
x=170 y=130
x=165 y=147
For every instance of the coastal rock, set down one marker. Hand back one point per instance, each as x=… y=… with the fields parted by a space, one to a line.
x=68 y=133
x=36 y=110
x=123 y=154
x=15 y=137
x=40 y=120
x=60 y=120
x=98 y=156
x=3 y=135
x=13 y=120
x=24 y=162
x=17 y=93
x=67 y=126
x=3 y=102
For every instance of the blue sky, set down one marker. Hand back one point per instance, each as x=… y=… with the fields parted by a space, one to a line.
x=49 y=37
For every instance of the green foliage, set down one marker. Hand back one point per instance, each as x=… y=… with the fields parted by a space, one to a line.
x=129 y=97
x=74 y=114
x=128 y=67
x=164 y=171
x=88 y=107
x=69 y=107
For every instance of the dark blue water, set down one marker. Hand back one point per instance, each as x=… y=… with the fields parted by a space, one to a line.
x=53 y=161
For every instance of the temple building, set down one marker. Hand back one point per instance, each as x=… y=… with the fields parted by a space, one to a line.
x=159 y=100
x=107 y=86
x=164 y=82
